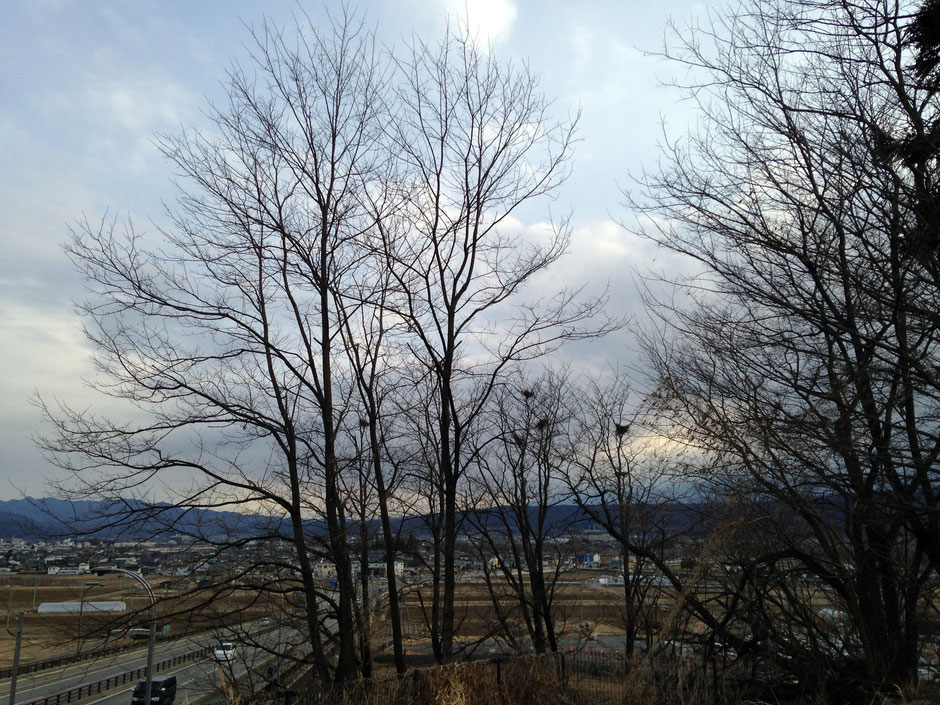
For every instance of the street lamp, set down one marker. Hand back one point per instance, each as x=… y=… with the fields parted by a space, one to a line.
x=81 y=614
x=153 y=619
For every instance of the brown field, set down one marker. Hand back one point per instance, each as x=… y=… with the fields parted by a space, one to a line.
x=599 y=609
x=574 y=605
x=47 y=635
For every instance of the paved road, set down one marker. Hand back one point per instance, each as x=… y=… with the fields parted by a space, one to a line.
x=43 y=683
x=195 y=679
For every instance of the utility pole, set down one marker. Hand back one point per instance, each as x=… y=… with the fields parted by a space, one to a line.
x=16 y=657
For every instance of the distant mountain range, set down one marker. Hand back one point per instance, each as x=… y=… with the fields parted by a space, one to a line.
x=33 y=518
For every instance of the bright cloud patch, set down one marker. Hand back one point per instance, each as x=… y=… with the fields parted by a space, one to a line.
x=489 y=21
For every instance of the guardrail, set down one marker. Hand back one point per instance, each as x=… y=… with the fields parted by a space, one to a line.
x=86 y=689
x=65 y=659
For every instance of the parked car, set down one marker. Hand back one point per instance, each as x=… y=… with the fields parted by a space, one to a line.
x=224 y=651
x=162 y=691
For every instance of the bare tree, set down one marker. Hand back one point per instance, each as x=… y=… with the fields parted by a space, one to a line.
x=343 y=228
x=516 y=487
x=377 y=356
x=225 y=334
x=622 y=481
x=477 y=141
x=804 y=367
x=425 y=482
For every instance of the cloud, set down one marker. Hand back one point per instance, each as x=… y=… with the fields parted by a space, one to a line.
x=605 y=258
x=488 y=21
x=40 y=349
x=119 y=114
x=49 y=347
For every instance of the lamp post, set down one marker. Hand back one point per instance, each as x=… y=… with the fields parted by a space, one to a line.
x=153 y=619
x=81 y=614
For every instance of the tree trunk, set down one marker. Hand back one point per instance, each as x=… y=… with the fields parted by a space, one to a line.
x=391 y=549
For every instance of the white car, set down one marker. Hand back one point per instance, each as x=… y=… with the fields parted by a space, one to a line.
x=224 y=651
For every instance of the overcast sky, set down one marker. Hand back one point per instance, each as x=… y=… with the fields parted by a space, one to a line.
x=86 y=84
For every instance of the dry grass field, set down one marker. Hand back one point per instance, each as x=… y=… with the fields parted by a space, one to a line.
x=580 y=600
x=575 y=604
x=47 y=635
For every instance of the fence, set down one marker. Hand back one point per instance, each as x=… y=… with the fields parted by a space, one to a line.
x=552 y=679
x=86 y=689
x=63 y=660
x=542 y=678
x=459 y=682
x=66 y=659
x=92 y=655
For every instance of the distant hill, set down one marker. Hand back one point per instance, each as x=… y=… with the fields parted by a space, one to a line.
x=48 y=517
x=13 y=524
x=33 y=518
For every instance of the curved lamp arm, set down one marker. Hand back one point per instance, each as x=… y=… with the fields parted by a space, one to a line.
x=101 y=570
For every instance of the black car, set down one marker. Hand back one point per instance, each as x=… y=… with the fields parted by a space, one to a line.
x=162 y=691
